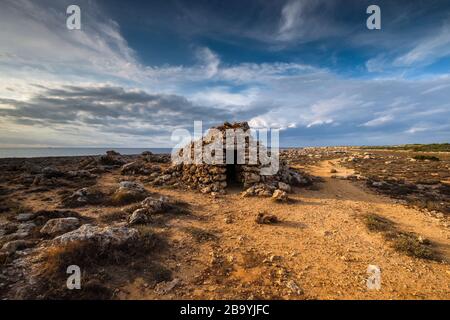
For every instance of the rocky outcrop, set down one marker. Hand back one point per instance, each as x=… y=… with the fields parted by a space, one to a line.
x=139 y=167
x=84 y=196
x=16 y=245
x=112 y=158
x=266 y=218
x=153 y=205
x=59 y=226
x=129 y=192
x=102 y=236
x=50 y=172
x=280 y=195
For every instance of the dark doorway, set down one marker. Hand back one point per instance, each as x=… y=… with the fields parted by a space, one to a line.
x=234 y=173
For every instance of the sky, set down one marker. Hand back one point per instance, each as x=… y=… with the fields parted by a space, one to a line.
x=137 y=71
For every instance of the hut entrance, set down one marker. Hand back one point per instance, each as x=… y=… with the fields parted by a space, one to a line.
x=234 y=173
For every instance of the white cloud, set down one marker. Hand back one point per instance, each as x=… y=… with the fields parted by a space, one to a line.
x=35 y=36
x=429 y=49
x=306 y=20
x=416 y=130
x=223 y=97
x=379 y=121
x=209 y=61
x=290 y=16
x=319 y=123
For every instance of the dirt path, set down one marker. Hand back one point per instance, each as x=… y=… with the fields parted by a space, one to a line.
x=320 y=250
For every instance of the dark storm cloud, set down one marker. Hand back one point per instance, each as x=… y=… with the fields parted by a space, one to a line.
x=113 y=108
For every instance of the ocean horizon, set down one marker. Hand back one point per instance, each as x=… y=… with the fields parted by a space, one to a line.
x=78 y=151
x=72 y=152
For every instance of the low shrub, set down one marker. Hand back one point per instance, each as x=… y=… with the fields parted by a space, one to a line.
x=426 y=157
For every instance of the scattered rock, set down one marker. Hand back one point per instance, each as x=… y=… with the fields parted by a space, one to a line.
x=112 y=158
x=274 y=258
x=280 y=195
x=166 y=286
x=16 y=245
x=423 y=240
x=139 y=167
x=284 y=187
x=101 y=236
x=206 y=189
x=24 y=217
x=139 y=216
x=327 y=233
x=8 y=228
x=50 y=172
x=84 y=174
x=152 y=205
x=84 y=196
x=128 y=192
x=59 y=226
x=26 y=227
x=294 y=287
x=265 y=218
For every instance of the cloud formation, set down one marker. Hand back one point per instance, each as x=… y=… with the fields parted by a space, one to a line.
x=302 y=66
x=113 y=110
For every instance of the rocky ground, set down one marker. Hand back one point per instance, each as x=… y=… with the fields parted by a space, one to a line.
x=422 y=179
x=137 y=233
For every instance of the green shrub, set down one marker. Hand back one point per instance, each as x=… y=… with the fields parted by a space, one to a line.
x=425 y=157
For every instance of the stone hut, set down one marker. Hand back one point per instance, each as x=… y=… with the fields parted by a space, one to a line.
x=228 y=156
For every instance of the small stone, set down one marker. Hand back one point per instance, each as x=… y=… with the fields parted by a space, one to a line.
x=274 y=258
x=423 y=240
x=24 y=217
x=16 y=245
x=59 y=226
x=294 y=287
x=101 y=236
x=284 y=187
x=265 y=218
x=206 y=189
x=26 y=227
x=139 y=216
x=280 y=195
x=327 y=233
x=166 y=286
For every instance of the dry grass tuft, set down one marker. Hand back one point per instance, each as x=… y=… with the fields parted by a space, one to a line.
x=201 y=235
x=426 y=157
x=120 y=198
x=410 y=244
x=378 y=224
x=113 y=216
x=93 y=261
x=406 y=242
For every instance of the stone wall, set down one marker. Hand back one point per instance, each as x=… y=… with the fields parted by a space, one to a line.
x=213 y=177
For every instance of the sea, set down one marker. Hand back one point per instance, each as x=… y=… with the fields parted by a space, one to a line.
x=67 y=152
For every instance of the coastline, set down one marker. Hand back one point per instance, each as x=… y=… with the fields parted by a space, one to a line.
x=34 y=153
